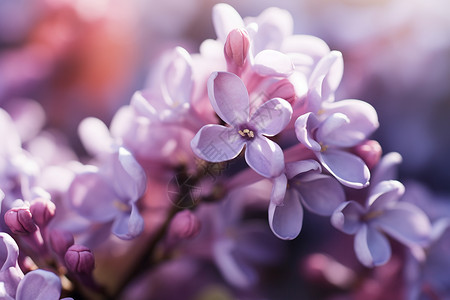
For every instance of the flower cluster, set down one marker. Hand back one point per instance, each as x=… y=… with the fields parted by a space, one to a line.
x=176 y=185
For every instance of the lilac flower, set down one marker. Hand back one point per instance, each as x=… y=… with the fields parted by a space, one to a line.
x=10 y=273
x=216 y=143
x=275 y=51
x=235 y=245
x=382 y=214
x=169 y=95
x=302 y=184
x=37 y=284
x=342 y=125
x=109 y=193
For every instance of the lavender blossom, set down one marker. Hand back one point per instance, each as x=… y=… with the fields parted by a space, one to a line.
x=38 y=284
x=343 y=124
x=382 y=214
x=109 y=193
x=301 y=184
x=216 y=143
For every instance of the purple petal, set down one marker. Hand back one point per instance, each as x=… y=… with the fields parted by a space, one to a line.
x=386 y=168
x=273 y=63
x=327 y=75
x=384 y=193
x=371 y=247
x=28 y=116
x=225 y=18
x=406 y=223
x=235 y=270
x=128 y=225
x=278 y=189
x=9 y=133
x=347 y=217
x=320 y=193
x=348 y=168
x=95 y=136
x=363 y=118
x=177 y=83
x=293 y=169
x=286 y=220
x=142 y=106
x=304 y=126
x=272 y=116
x=265 y=157
x=330 y=131
x=129 y=178
x=305 y=44
x=10 y=273
x=229 y=97
x=216 y=143
x=273 y=25
x=9 y=251
x=39 y=285
x=91 y=196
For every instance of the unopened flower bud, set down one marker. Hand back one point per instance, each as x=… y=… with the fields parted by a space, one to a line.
x=43 y=210
x=370 y=152
x=79 y=260
x=184 y=225
x=236 y=46
x=20 y=220
x=60 y=241
x=282 y=89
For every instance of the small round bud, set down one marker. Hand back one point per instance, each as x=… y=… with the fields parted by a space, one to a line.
x=60 y=241
x=370 y=152
x=20 y=220
x=237 y=46
x=79 y=260
x=184 y=225
x=43 y=210
x=282 y=89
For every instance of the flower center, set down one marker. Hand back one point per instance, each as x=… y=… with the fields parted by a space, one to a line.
x=246 y=133
x=121 y=206
x=323 y=147
x=372 y=215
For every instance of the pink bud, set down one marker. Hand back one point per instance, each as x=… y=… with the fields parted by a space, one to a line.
x=20 y=220
x=282 y=89
x=79 y=260
x=43 y=210
x=184 y=225
x=236 y=46
x=370 y=152
x=60 y=241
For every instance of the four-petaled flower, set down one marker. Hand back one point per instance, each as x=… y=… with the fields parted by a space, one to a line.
x=383 y=213
x=342 y=125
x=230 y=100
x=301 y=184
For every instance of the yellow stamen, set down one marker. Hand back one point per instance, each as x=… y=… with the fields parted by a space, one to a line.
x=247 y=132
x=121 y=206
x=372 y=215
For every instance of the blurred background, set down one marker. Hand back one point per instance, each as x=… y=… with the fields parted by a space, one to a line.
x=81 y=58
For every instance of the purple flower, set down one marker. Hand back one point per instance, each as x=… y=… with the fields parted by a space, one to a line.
x=10 y=273
x=302 y=184
x=110 y=192
x=40 y=285
x=37 y=284
x=230 y=100
x=168 y=99
x=342 y=125
x=382 y=214
x=236 y=245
